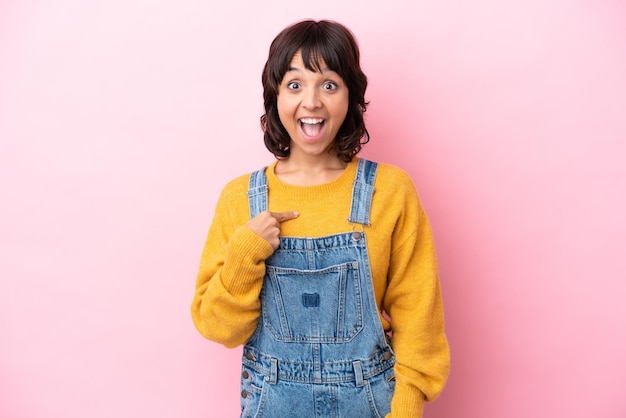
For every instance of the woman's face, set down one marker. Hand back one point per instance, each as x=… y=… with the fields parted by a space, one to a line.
x=312 y=107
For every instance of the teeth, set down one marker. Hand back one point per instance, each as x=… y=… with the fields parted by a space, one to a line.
x=311 y=121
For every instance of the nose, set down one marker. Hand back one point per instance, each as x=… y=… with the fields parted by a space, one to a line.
x=311 y=98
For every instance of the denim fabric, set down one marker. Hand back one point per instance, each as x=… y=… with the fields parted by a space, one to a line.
x=362 y=192
x=319 y=349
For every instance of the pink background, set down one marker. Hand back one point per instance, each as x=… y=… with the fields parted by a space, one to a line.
x=121 y=120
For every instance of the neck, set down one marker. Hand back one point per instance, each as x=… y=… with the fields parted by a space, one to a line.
x=309 y=171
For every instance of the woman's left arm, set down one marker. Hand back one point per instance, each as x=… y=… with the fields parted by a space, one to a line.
x=414 y=303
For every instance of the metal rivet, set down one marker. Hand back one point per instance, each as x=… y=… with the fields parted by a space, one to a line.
x=245 y=374
x=386 y=356
x=356 y=235
x=244 y=394
x=249 y=356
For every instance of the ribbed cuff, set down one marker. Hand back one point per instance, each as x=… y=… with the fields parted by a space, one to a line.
x=407 y=402
x=244 y=266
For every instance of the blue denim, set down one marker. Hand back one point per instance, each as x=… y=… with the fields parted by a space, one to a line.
x=319 y=349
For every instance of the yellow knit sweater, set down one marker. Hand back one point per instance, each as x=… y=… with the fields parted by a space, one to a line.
x=226 y=304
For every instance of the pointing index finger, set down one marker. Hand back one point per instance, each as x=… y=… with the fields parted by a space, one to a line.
x=284 y=216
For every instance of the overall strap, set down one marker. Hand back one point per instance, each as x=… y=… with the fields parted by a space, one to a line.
x=257 y=192
x=362 y=192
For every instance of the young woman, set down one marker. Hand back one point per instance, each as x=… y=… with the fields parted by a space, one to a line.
x=323 y=264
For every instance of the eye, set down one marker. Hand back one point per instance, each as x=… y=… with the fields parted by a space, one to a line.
x=293 y=85
x=330 y=85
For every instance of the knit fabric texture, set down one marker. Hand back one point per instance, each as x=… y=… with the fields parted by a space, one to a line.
x=226 y=304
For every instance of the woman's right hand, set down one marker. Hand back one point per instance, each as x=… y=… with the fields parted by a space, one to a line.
x=267 y=225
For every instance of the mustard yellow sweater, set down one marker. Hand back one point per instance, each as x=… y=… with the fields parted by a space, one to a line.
x=226 y=304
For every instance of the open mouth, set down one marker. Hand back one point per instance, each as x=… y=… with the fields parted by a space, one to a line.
x=311 y=126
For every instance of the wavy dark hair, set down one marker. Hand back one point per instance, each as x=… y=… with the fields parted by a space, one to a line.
x=337 y=47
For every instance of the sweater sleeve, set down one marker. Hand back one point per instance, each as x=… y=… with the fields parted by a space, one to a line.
x=226 y=304
x=414 y=304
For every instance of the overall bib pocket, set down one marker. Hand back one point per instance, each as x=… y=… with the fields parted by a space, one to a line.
x=316 y=306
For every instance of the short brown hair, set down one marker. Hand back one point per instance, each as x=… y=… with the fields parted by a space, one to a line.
x=336 y=45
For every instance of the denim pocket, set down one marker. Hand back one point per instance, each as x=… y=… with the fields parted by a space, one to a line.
x=372 y=400
x=318 y=306
x=379 y=393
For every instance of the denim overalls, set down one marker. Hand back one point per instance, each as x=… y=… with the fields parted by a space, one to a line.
x=319 y=349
